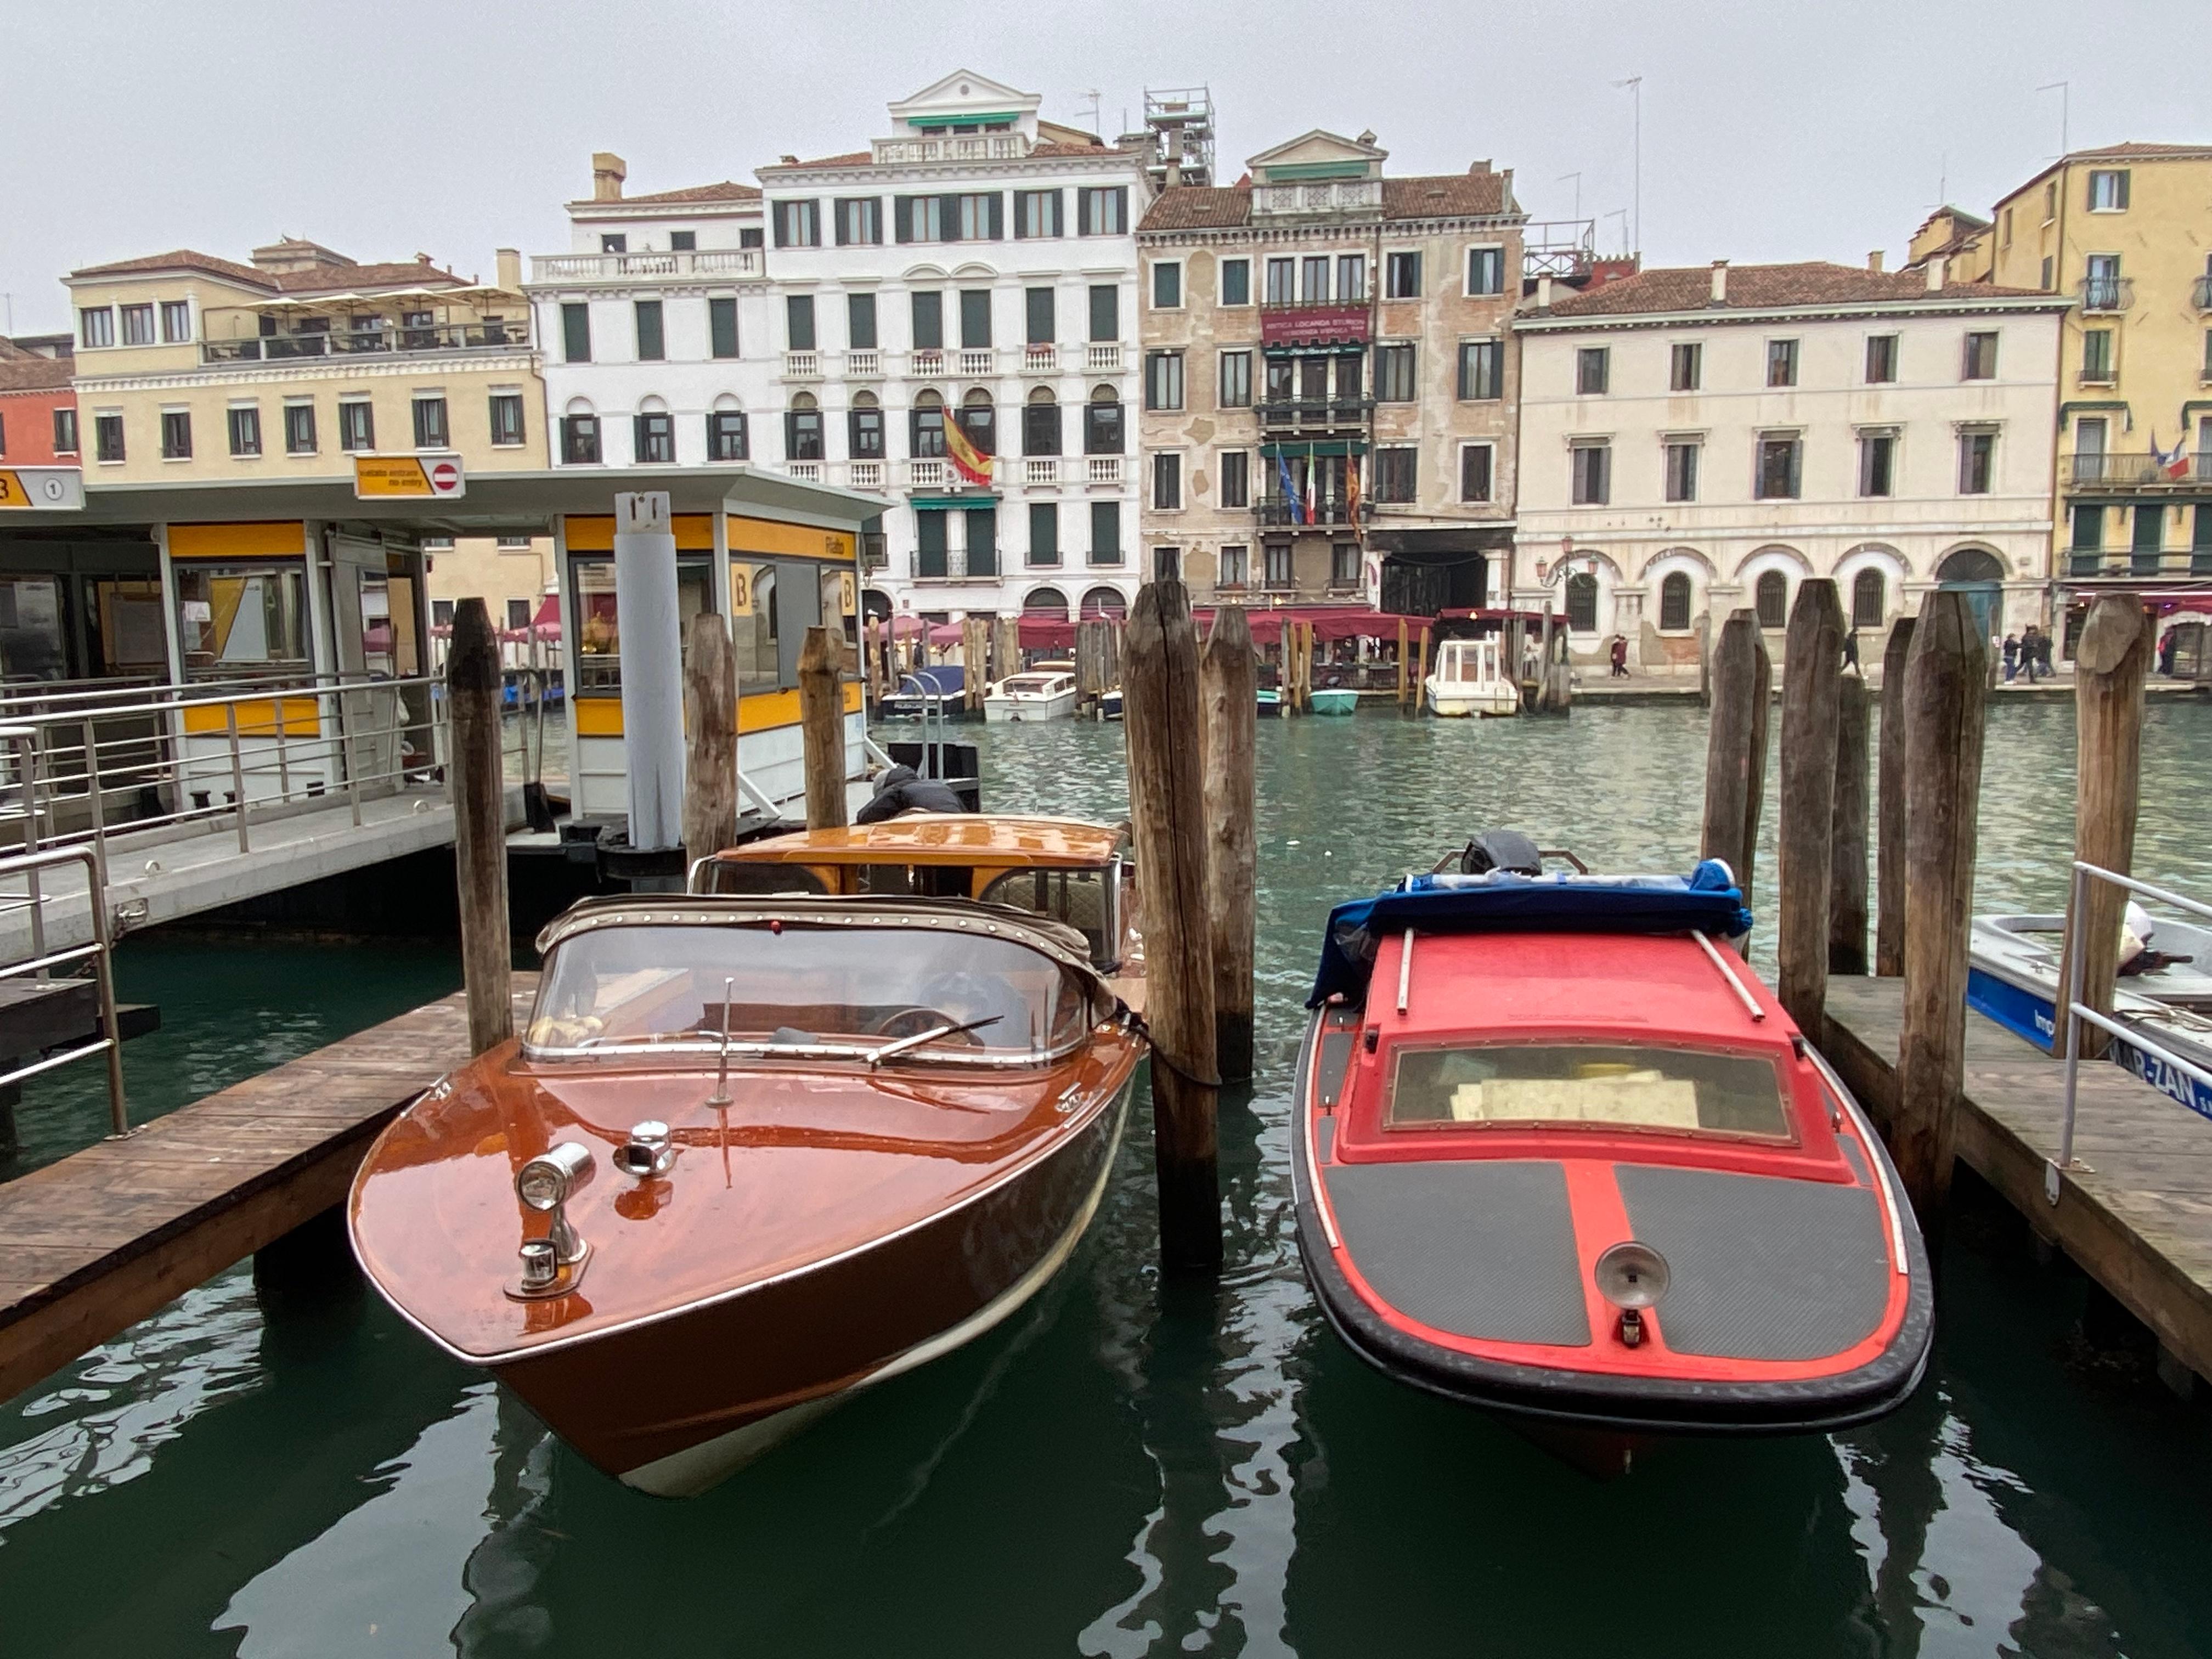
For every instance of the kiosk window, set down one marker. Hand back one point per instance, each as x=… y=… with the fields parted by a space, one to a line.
x=752 y=625
x=599 y=643
x=234 y=618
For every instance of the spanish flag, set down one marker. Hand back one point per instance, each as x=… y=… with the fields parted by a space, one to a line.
x=968 y=461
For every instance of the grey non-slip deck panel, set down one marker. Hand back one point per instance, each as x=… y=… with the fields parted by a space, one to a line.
x=1477 y=1249
x=1760 y=1268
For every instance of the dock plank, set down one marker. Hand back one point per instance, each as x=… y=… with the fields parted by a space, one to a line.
x=2137 y=1216
x=92 y=1244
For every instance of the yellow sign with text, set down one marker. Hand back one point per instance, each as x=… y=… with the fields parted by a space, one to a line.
x=418 y=475
x=53 y=488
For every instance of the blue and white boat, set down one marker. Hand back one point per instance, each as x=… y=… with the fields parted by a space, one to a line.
x=2012 y=978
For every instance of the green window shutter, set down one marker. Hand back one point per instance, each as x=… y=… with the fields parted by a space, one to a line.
x=1044 y=532
x=929 y=543
x=860 y=321
x=576 y=332
x=975 y=318
x=1043 y=322
x=798 y=308
x=1106 y=313
x=903 y=218
x=982 y=541
x=722 y=327
x=928 y=321
x=651 y=345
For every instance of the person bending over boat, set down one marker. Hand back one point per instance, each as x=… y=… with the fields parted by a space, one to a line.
x=903 y=789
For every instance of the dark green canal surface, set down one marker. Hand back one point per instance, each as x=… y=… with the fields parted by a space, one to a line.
x=1128 y=1467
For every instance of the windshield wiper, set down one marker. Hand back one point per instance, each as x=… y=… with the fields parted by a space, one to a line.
x=892 y=1050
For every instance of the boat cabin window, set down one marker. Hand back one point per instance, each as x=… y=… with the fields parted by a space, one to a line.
x=915 y=880
x=732 y=875
x=1685 y=1089
x=632 y=986
x=1077 y=897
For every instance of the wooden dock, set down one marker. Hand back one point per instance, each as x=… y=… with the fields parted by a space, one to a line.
x=2137 y=1218
x=92 y=1244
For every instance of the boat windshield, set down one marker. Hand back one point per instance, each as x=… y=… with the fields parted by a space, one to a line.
x=1030 y=685
x=802 y=988
x=1077 y=897
x=1644 y=1087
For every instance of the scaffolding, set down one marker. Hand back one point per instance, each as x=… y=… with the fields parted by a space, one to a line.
x=1181 y=122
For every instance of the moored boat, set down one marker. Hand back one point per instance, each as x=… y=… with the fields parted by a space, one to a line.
x=1336 y=700
x=1556 y=1155
x=750 y=1154
x=1037 y=695
x=1468 y=679
x=925 y=692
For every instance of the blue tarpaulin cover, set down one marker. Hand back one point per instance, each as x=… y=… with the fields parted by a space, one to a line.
x=1706 y=901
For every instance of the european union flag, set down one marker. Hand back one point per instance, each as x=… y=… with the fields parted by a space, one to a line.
x=1289 y=490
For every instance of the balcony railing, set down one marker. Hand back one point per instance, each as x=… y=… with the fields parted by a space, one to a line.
x=370 y=341
x=802 y=365
x=2137 y=471
x=957 y=147
x=924 y=474
x=865 y=363
x=703 y=261
x=1276 y=514
x=2105 y=293
x=1040 y=358
x=1346 y=411
x=867 y=474
x=1103 y=356
x=2201 y=294
x=2131 y=563
x=805 y=471
x=977 y=361
x=1102 y=469
x=926 y=361
x=1319 y=195
x=1041 y=469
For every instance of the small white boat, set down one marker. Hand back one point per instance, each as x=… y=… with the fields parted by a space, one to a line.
x=1036 y=696
x=1469 y=678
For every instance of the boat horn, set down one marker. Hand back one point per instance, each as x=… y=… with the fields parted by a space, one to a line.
x=546 y=1184
x=1633 y=1276
x=648 y=1152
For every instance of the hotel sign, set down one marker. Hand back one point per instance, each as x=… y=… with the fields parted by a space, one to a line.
x=435 y=476
x=1313 y=325
x=42 y=489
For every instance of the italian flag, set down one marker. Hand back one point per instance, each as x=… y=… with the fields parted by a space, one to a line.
x=968 y=461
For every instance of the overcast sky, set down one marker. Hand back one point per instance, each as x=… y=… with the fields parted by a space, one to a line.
x=1776 y=130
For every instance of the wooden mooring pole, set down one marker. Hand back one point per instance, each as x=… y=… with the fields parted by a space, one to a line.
x=1944 y=712
x=1404 y=663
x=472 y=689
x=822 y=728
x=1161 y=710
x=1229 y=681
x=2110 y=664
x=1812 y=671
x=1735 y=748
x=1889 y=807
x=1847 y=848
x=710 y=738
x=974 y=661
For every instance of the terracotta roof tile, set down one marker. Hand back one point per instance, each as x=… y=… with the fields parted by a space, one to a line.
x=1199 y=207
x=341 y=279
x=182 y=259
x=857 y=158
x=728 y=191
x=32 y=373
x=1757 y=288
x=2136 y=151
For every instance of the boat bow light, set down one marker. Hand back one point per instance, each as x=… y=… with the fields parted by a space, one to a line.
x=551 y=1265
x=1633 y=1276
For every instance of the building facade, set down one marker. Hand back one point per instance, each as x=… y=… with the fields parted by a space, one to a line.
x=1694 y=440
x=976 y=267
x=2124 y=233
x=1328 y=385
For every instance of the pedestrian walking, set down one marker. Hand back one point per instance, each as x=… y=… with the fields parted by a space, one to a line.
x=2027 y=650
x=2011 y=656
x=2043 y=652
x=1619 y=656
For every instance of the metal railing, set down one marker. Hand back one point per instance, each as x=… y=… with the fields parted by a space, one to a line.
x=2139 y=562
x=512 y=336
x=2200 y=294
x=2138 y=470
x=2078 y=1012
x=1335 y=411
x=2105 y=293
x=695 y=262
x=42 y=961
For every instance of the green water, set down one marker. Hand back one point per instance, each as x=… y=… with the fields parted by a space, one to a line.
x=1128 y=1467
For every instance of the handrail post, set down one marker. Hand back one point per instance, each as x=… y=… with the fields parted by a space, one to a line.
x=345 y=759
x=237 y=773
x=103 y=968
x=2074 y=970
x=284 y=762
x=26 y=740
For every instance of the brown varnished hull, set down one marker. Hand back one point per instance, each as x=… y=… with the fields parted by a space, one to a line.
x=636 y=1396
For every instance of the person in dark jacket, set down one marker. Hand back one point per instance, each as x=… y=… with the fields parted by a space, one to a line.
x=903 y=789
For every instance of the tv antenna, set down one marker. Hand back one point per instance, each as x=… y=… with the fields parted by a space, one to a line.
x=2065 y=91
x=1635 y=85
x=1093 y=112
x=1577 y=178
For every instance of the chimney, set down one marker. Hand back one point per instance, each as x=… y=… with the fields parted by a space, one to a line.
x=1175 y=157
x=507 y=268
x=608 y=172
x=1874 y=262
x=1544 y=291
x=1936 y=264
x=1720 y=281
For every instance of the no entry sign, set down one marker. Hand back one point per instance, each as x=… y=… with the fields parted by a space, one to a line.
x=381 y=475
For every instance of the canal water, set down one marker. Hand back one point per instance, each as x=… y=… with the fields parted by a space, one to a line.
x=1130 y=1467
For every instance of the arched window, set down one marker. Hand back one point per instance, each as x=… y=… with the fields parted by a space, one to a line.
x=1868 y=599
x=580 y=434
x=1104 y=604
x=1971 y=564
x=875 y=605
x=979 y=420
x=1675 y=601
x=1046 y=602
x=1041 y=423
x=928 y=420
x=726 y=430
x=1101 y=423
x=1772 y=595
x=1581 y=602
x=866 y=422
x=802 y=429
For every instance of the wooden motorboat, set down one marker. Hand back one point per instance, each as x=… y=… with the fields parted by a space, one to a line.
x=1039 y=695
x=750 y=1154
x=1556 y=1155
x=924 y=693
x=1336 y=700
x=1469 y=678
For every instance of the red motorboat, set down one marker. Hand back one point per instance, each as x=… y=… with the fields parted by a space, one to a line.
x=1559 y=1154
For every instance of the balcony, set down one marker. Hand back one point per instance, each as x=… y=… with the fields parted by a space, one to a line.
x=1103 y=357
x=802 y=366
x=2103 y=473
x=951 y=147
x=867 y=474
x=600 y=267
x=975 y=363
x=1317 y=197
x=863 y=364
x=805 y=471
x=1041 y=469
x=1040 y=358
x=2133 y=564
x=1319 y=416
x=2201 y=294
x=1275 y=514
x=1336 y=323
x=2105 y=293
x=926 y=362
x=370 y=341
x=1102 y=469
